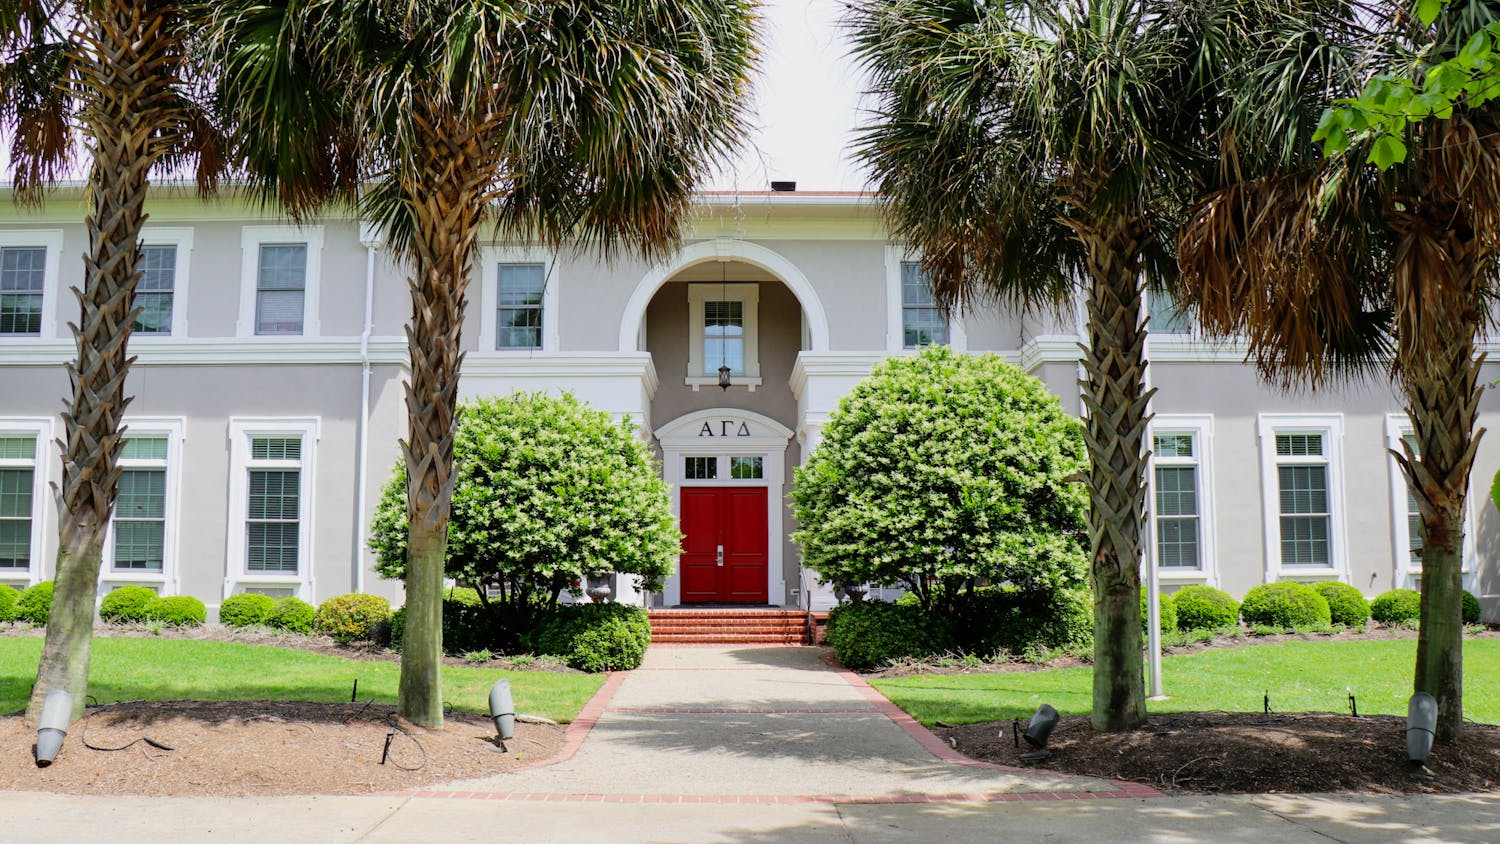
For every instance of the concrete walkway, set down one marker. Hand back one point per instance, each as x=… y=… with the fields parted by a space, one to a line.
x=756 y=745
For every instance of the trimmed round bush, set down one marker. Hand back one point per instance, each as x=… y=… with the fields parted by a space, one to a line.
x=1472 y=609
x=35 y=603
x=1284 y=605
x=869 y=634
x=1205 y=608
x=1168 y=614
x=596 y=637
x=352 y=617
x=1398 y=606
x=8 y=597
x=1345 y=603
x=246 y=610
x=178 y=611
x=126 y=604
x=293 y=615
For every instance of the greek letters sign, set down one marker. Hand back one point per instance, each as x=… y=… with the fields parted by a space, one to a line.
x=724 y=428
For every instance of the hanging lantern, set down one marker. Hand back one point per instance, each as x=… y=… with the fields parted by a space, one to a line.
x=724 y=377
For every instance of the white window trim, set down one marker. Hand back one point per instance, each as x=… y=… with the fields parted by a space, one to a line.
x=491 y=257
x=1397 y=425
x=1201 y=427
x=251 y=239
x=52 y=241
x=895 y=330
x=41 y=428
x=236 y=574
x=747 y=293
x=168 y=579
x=182 y=240
x=1331 y=426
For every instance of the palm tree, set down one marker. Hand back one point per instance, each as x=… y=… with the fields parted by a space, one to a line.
x=1033 y=151
x=554 y=121
x=1332 y=269
x=98 y=81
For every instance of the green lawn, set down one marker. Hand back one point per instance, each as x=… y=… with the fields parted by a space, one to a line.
x=1300 y=676
x=180 y=669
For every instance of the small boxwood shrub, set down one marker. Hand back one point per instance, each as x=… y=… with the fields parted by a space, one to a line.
x=293 y=615
x=595 y=637
x=353 y=616
x=1168 y=614
x=246 y=610
x=8 y=596
x=1284 y=605
x=1472 y=609
x=1398 y=606
x=35 y=603
x=869 y=634
x=178 y=611
x=126 y=604
x=1345 y=603
x=1205 y=608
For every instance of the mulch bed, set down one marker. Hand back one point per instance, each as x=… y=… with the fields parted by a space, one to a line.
x=1235 y=752
x=263 y=748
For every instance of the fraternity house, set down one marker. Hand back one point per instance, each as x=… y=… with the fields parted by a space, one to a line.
x=269 y=401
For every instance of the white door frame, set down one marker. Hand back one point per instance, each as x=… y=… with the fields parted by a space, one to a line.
x=725 y=433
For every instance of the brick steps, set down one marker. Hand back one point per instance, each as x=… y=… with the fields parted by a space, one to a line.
x=729 y=627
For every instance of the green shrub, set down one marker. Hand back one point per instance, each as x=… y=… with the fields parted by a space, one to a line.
x=126 y=604
x=293 y=615
x=941 y=469
x=1398 y=606
x=595 y=637
x=1006 y=619
x=353 y=616
x=8 y=596
x=1205 y=608
x=35 y=603
x=870 y=634
x=467 y=626
x=1168 y=614
x=1284 y=605
x=246 y=610
x=1472 y=609
x=1345 y=603
x=178 y=611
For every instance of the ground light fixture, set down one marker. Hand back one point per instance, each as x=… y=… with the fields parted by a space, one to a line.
x=1042 y=723
x=1421 y=726
x=57 y=713
x=503 y=710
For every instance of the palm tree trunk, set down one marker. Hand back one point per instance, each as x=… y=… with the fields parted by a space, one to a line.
x=1115 y=396
x=446 y=201
x=125 y=110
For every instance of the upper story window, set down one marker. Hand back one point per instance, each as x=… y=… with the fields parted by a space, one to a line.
x=155 y=291
x=1166 y=316
x=724 y=331
x=519 y=315
x=280 y=281
x=23 y=275
x=1302 y=476
x=923 y=323
x=17 y=494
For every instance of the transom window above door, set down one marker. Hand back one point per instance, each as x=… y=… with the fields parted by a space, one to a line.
x=723 y=468
x=723 y=330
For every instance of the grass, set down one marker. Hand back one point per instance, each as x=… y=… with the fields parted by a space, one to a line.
x=1299 y=676
x=181 y=669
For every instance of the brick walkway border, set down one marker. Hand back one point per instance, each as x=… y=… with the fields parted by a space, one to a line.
x=577 y=730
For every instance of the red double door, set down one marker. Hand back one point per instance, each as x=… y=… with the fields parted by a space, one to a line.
x=724 y=551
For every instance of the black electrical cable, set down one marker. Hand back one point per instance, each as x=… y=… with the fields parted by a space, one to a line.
x=395 y=725
x=83 y=733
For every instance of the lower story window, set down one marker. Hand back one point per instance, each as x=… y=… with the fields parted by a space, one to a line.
x=16 y=485
x=271 y=504
x=273 y=522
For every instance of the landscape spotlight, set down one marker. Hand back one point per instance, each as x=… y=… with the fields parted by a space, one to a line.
x=1041 y=726
x=1421 y=724
x=57 y=714
x=503 y=710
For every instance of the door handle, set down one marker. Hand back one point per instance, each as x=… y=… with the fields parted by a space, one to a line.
x=719 y=560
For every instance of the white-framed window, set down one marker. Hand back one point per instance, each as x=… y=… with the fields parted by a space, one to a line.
x=913 y=318
x=271 y=503
x=1302 y=482
x=161 y=293
x=1166 y=316
x=1182 y=511
x=30 y=267
x=23 y=485
x=141 y=544
x=519 y=299
x=723 y=468
x=724 y=330
x=1406 y=523
x=280 y=278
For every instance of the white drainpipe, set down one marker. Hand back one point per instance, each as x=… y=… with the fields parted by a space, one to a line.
x=371 y=237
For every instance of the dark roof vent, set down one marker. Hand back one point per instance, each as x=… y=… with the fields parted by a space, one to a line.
x=783 y=187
